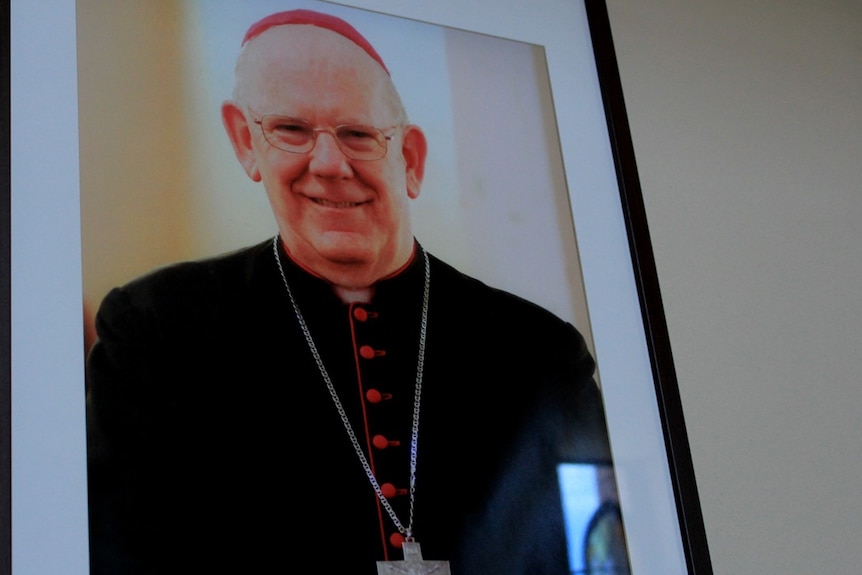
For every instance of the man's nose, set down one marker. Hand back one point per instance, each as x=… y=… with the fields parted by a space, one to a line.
x=327 y=159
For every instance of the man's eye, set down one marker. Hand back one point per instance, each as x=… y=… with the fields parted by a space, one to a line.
x=288 y=128
x=356 y=133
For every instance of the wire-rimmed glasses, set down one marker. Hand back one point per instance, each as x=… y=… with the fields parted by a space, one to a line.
x=356 y=141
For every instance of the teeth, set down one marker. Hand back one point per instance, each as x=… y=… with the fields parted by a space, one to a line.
x=330 y=204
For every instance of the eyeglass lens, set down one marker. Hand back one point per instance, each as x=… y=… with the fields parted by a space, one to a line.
x=292 y=135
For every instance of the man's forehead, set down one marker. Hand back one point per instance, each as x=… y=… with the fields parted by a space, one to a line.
x=299 y=19
x=313 y=73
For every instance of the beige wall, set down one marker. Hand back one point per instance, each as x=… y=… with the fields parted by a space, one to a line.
x=747 y=125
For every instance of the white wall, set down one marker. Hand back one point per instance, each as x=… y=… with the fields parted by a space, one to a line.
x=747 y=119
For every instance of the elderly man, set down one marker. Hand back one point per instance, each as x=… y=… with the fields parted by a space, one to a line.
x=333 y=398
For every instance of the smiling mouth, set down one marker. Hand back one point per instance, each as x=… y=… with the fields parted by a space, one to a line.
x=337 y=205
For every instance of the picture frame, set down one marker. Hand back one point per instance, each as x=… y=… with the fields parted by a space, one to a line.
x=47 y=476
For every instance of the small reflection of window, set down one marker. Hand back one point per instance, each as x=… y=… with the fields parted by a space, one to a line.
x=594 y=526
x=605 y=543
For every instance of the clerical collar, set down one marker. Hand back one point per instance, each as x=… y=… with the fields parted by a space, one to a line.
x=354 y=295
x=351 y=295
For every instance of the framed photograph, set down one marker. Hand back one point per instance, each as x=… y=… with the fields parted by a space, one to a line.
x=121 y=165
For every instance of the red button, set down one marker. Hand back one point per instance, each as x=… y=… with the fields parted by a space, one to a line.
x=396 y=540
x=380 y=442
x=389 y=491
x=360 y=314
x=374 y=396
x=369 y=352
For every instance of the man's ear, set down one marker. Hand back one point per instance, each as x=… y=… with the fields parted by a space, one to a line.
x=239 y=133
x=414 y=147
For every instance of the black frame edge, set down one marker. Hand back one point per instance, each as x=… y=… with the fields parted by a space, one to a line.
x=5 y=302
x=680 y=462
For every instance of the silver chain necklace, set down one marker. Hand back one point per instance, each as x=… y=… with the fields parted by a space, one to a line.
x=407 y=530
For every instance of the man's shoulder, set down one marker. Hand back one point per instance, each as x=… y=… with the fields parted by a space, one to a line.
x=232 y=266
x=496 y=324
x=197 y=283
x=469 y=295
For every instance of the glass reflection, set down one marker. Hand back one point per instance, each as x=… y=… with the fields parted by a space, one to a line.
x=594 y=526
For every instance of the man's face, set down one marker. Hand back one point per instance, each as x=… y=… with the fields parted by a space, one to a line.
x=347 y=220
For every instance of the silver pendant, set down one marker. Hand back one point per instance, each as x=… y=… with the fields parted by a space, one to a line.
x=412 y=564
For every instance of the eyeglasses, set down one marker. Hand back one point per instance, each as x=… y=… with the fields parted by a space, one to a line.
x=297 y=136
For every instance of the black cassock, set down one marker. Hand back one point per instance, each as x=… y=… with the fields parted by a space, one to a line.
x=215 y=447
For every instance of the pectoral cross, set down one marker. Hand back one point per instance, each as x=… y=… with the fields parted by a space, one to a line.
x=412 y=564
